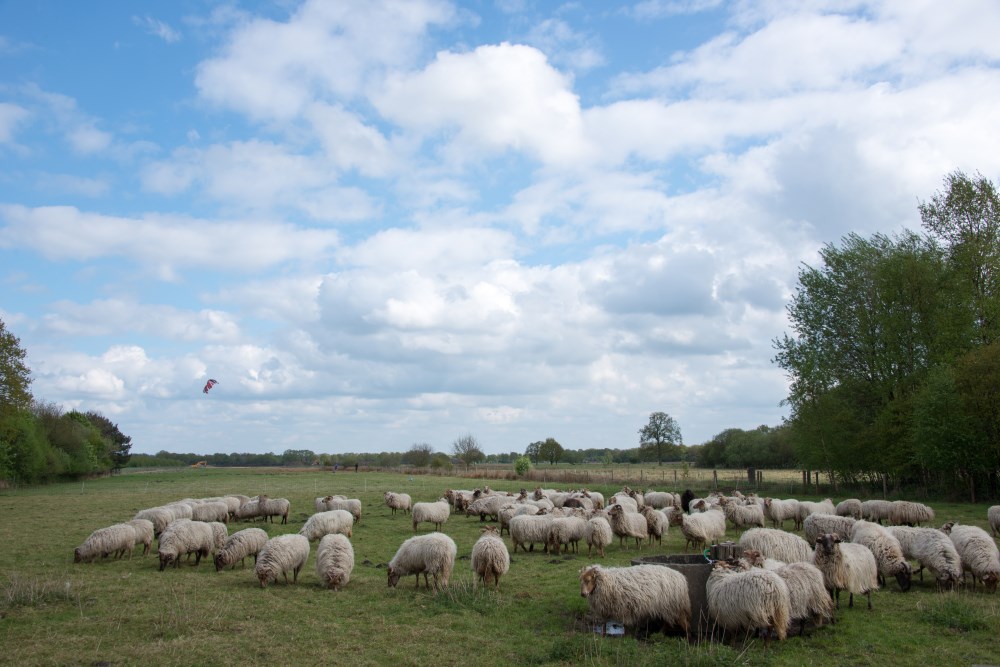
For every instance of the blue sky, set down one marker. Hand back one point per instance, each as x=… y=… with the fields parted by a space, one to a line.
x=386 y=223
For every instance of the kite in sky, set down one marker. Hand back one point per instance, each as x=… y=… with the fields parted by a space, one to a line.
x=209 y=385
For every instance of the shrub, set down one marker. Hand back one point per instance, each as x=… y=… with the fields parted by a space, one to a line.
x=522 y=465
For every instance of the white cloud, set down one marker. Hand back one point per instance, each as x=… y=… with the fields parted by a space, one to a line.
x=118 y=316
x=11 y=115
x=158 y=28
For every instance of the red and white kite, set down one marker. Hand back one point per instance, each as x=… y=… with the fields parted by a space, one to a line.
x=209 y=385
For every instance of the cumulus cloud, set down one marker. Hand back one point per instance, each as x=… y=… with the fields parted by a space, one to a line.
x=11 y=115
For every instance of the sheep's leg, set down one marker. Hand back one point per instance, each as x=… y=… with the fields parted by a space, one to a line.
x=851 y=605
x=295 y=574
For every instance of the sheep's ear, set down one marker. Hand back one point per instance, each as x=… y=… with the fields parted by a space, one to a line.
x=836 y=538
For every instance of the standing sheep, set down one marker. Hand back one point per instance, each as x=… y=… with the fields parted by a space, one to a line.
x=628 y=524
x=566 y=531
x=599 y=534
x=239 y=545
x=490 y=558
x=806 y=508
x=334 y=560
x=657 y=523
x=876 y=510
x=436 y=513
x=144 y=533
x=528 y=529
x=118 y=540
x=808 y=599
x=846 y=567
x=742 y=516
x=352 y=505
x=641 y=595
x=185 y=537
x=751 y=599
x=778 y=511
x=850 y=507
x=272 y=507
x=993 y=516
x=701 y=530
x=978 y=552
x=398 y=501
x=887 y=551
x=820 y=524
x=328 y=523
x=777 y=544
x=933 y=550
x=279 y=555
x=432 y=554
x=907 y=513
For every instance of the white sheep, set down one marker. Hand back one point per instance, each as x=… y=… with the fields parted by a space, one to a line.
x=432 y=554
x=993 y=516
x=160 y=517
x=777 y=544
x=978 y=552
x=335 y=560
x=876 y=510
x=210 y=511
x=144 y=533
x=185 y=537
x=599 y=534
x=490 y=558
x=806 y=508
x=116 y=540
x=272 y=507
x=436 y=513
x=748 y=599
x=280 y=555
x=636 y=596
x=807 y=595
x=846 y=567
x=248 y=510
x=657 y=523
x=511 y=510
x=819 y=524
x=887 y=551
x=627 y=524
x=239 y=545
x=701 y=530
x=328 y=523
x=487 y=505
x=398 y=501
x=659 y=499
x=530 y=529
x=850 y=507
x=625 y=501
x=933 y=550
x=778 y=511
x=908 y=513
x=352 y=505
x=742 y=516
x=568 y=531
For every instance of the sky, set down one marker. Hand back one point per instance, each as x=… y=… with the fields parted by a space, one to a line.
x=382 y=223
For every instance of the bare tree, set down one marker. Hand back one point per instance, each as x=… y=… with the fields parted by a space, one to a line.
x=468 y=450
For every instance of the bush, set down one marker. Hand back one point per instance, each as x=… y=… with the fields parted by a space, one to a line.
x=522 y=465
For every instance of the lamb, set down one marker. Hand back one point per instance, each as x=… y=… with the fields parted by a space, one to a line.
x=701 y=530
x=806 y=508
x=819 y=524
x=742 y=516
x=807 y=595
x=599 y=534
x=907 y=513
x=846 y=566
x=328 y=523
x=272 y=507
x=239 y=545
x=398 y=501
x=118 y=539
x=887 y=551
x=850 y=507
x=436 y=513
x=432 y=554
x=638 y=596
x=657 y=523
x=184 y=537
x=335 y=560
x=978 y=552
x=490 y=558
x=876 y=510
x=749 y=599
x=279 y=555
x=993 y=516
x=779 y=510
x=777 y=544
x=933 y=550
x=352 y=505
x=144 y=533
x=566 y=531
x=527 y=530
x=627 y=524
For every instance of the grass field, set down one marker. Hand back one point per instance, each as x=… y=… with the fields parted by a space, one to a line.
x=127 y=612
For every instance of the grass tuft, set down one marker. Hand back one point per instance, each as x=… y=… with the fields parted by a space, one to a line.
x=954 y=612
x=20 y=591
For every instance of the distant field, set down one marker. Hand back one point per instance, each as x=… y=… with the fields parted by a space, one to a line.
x=127 y=612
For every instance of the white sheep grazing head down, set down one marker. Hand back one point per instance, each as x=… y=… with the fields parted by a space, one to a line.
x=393 y=577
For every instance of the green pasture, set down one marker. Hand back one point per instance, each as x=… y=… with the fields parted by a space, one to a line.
x=53 y=611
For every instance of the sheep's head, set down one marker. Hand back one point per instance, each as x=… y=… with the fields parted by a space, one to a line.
x=616 y=510
x=393 y=576
x=828 y=542
x=77 y=555
x=265 y=577
x=904 y=577
x=166 y=558
x=336 y=581
x=947 y=582
x=754 y=557
x=487 y=530
x=722 y=501
x=946 y=528
x=588 y=580
x=990 y=581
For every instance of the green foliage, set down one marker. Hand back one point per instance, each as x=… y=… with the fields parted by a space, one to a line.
x=522 y=465
x=15 y=376
x=550 y=450
x=419 y=455
x=763 y=447
x=660 y=438
x=954 y=612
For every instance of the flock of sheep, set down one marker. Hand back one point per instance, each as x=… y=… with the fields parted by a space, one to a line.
x=781 y=581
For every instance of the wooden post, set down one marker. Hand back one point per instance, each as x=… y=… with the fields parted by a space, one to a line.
x=817 y=482
x=715 y=480
x=805 y=481
x=675 y=477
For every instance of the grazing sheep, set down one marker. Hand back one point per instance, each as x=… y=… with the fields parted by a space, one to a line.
x=352 y=505
x=144 y=533
x=490 y=558
x=185 y=537
x=993 y=516
x=210 y=511
x=436 y=513
x=749 y=599
x=249 y=510
x=528 y=529
x=627 y=524
x=328 y=523
x=487 y=505
x=978 y=552
x=806 y=508
x=180 y=509
x=657 y=523
x=887 y=551
x=511 y=510
x=807 y=595
x=335 y=560
x=160 y=517
x=566 y=531
x=846 y=567
x=907 y=513
x=220 y=533
x=876 y=510
x=777 y=544
x=599 y=534
x=116 y=540
x=701 y=530
x=279 y=555
x=272 y=507
x=819 y=524
x=658 y=499
x=742 y=516
x=638 y=596
x=239 y=545
x=933 y=550
x=778 y=511
x=398 y=501
x=432 y=554
x=850 y=507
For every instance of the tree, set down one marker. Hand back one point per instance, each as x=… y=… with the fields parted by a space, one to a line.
x=468 y=450
x=550 y=451
x=119 y=445
x=522 y=465
x=533 y=450
x=660 y=436
x=15 y=377
x=419 y=455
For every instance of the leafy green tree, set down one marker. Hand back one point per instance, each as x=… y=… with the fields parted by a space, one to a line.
x=533 y=451
x=550 y=450
x=419 y=455
x=522 y=465
x=118 y=444
x=15 y=377
x=467 y=449
x=441 y=461
x=660 y=437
